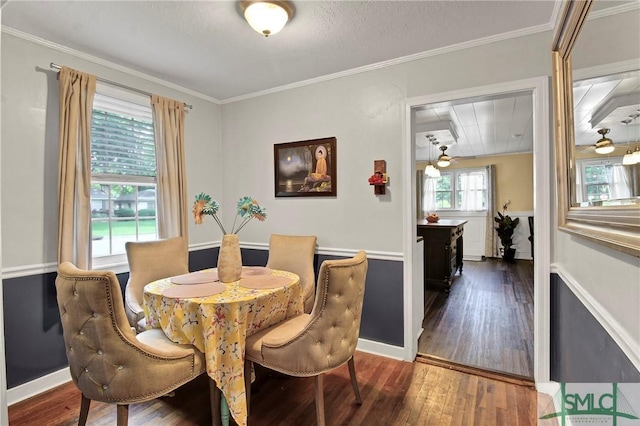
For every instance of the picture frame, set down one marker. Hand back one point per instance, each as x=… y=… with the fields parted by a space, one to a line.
x=305 y=168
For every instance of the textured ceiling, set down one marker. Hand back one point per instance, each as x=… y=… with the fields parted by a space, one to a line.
x=208 y=48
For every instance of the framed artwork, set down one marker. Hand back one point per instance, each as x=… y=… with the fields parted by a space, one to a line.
x=305 y=168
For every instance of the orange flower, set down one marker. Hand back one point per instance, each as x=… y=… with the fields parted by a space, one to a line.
x=198 y=211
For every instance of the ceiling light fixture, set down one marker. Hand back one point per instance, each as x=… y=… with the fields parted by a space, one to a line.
x=430 y=170
x=267 y=17
x=628 y=158
x=444 y=160
x=604 y=144
x=636 y=152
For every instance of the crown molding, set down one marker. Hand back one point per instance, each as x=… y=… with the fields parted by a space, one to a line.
x=397 y=61
x=610 y=11
x=105 y=63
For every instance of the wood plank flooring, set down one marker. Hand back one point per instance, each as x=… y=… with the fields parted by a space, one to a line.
x=393 y=392
x=487 y=320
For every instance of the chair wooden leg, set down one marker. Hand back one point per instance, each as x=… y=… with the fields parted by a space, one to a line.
x=320 y=399
x=123 y=415
x=214 y=397
x=247 y=383
x=84 y=410
x=354 y=380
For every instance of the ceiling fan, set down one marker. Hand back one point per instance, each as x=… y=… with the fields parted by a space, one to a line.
x=444 y=160
x=604 y=145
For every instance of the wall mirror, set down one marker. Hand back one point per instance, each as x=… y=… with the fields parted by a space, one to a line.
x=596 y=121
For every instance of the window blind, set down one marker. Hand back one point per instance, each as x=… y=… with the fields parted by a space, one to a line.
x=122 y=141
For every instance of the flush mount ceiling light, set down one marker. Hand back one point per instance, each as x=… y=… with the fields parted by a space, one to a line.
x=267 y=17
x=604 y=144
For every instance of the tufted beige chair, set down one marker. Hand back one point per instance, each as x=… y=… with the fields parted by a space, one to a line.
x=294 y=253
x=312 y=344
x=107 y=360
x=150 y=261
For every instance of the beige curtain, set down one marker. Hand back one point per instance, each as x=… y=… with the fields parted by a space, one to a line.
x=74 y=167
x=490 y=248
x=419 y=194
x=168 y=127
x=632 y=172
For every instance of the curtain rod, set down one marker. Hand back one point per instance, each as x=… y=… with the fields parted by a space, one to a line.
x=113 y=83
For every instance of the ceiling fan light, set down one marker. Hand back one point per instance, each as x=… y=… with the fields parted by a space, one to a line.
x=267 y=17
x=636 y=155
x=444 y=160
x=605 y=148
x=604 y=144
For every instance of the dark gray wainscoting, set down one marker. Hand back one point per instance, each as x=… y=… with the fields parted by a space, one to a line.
x=33 y=335
x=32 y=332
x=581 y=349
x=383 y=311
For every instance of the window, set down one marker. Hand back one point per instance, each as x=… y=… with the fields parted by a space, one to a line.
x=469 y=192
x=600 y=181
x=123 y=172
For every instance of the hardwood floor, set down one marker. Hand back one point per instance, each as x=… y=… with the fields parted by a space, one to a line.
x=393 y=392
x=487 y=319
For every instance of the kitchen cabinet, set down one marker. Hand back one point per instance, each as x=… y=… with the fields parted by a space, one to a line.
x=442 y=252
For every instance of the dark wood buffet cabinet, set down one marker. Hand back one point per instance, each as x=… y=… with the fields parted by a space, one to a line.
x=442 y=252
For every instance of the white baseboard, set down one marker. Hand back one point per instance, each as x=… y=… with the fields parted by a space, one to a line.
x=382 y=349
x=627 y=344
x=37 y=386
x=472 y=258
x=60 y=377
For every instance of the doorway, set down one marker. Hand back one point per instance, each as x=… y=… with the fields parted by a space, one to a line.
x=541 y=187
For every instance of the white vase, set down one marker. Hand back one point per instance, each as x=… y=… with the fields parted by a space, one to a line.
x=229 y=259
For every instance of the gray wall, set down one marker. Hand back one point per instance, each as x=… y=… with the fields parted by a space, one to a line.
x=364 y=111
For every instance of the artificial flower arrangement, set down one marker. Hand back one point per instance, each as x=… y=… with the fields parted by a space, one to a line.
x=248 y=208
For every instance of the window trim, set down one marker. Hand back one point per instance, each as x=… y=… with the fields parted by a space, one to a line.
x=454 y=173
x=583 y=163
x=118 y=260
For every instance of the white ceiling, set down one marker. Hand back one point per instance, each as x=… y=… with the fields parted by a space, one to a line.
x=490 y=125
x=604 y=102
x=207 y=49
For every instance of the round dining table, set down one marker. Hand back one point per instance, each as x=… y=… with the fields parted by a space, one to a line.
x=216 y=318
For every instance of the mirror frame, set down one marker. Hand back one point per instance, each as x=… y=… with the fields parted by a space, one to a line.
x=615 y=226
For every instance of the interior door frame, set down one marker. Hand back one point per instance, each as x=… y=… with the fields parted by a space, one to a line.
x=543 y=205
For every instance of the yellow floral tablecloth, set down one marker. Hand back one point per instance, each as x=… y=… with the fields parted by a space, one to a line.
x=218 y=326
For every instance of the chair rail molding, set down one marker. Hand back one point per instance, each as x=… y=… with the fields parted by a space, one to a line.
x=122 y=266
x=626 y=342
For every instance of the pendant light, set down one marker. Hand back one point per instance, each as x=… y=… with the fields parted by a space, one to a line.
x=635 y=157
x=430 y=170
x=628 y=159
x=604 y=144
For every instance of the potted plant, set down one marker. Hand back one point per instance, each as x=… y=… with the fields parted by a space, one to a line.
x=506 y=227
